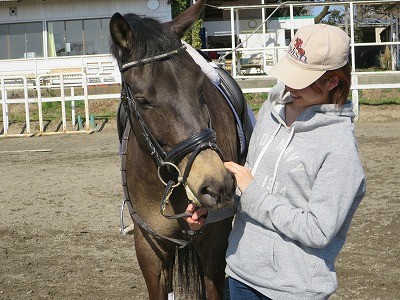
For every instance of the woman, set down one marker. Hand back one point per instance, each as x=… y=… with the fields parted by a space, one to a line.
x=303 y=178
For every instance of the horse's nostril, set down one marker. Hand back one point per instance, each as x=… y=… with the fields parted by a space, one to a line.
x=216 y=194
x=208 y=192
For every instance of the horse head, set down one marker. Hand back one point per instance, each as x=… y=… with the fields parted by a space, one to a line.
x=167 y=91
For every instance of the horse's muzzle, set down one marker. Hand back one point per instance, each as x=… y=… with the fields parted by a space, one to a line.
x=216 y=195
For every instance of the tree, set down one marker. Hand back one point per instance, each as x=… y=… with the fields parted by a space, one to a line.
x=335 y=17
x=192 y=37
x=324 y=12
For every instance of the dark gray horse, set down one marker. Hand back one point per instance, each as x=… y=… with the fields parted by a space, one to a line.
x=182 y=129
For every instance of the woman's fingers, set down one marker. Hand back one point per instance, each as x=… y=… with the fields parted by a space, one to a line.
x=243 y=174
x=232 y=167
x=196 y=221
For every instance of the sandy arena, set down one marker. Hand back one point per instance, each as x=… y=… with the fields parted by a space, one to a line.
x=59 y=218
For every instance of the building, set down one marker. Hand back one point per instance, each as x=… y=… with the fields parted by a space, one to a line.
x=261 y=46
x=38 y=36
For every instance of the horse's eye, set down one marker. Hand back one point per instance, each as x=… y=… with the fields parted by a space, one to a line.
x=143 y=102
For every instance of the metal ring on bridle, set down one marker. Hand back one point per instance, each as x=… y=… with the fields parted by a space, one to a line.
x=179 y=181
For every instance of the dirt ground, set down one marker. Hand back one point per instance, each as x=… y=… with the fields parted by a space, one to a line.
x=59 y=217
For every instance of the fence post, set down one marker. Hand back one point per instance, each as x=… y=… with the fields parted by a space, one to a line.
x=4 y=106
x=40 y=109
x=63 y=113
x=86 y=95
x=26 y=96
x=354 y=95
x=73 y=107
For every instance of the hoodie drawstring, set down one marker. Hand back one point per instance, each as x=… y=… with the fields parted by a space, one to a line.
x=260 y=156
x=280 y=157
x=254 y=169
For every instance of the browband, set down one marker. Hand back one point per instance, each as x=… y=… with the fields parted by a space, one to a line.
x=146 y=60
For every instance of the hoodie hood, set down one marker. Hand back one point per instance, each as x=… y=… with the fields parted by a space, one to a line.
x=314 y=116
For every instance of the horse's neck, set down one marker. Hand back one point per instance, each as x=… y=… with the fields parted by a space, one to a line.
x=222 y=120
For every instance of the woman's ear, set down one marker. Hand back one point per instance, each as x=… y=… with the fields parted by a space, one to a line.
x=332 y=83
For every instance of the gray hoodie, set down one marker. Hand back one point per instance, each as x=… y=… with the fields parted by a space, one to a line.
x=292 y=220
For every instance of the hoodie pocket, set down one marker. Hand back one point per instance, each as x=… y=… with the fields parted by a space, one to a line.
x=251 y=252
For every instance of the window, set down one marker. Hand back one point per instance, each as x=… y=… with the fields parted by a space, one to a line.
x=3 y=41
x=78 y=37
x=17 y=40
x=34 y=40
x=105 y=27
x=92 y=36
x=21 y=40
x=288 y=36
x=56 y=39
x=74 y=37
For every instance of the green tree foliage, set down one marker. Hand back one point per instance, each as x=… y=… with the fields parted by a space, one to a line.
x=192 y=37
x=335 y=17
x=178 y=6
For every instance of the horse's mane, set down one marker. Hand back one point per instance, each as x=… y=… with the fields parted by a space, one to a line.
x=150 y=37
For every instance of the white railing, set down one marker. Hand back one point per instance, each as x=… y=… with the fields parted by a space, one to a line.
x=36 y=76
x=235 y=31
x=4 y=81
x=40 y=85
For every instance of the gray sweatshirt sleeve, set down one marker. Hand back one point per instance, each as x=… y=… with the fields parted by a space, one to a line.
x=337 y=190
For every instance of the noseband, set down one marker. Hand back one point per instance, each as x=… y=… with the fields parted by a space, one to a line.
x=167 y=161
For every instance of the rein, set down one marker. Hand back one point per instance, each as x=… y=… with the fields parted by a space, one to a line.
x=126 y=201
x=165 y=161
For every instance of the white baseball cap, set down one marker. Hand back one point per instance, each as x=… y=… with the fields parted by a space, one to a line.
x=314 y=50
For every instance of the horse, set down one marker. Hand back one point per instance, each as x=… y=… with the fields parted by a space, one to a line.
x=179 y=130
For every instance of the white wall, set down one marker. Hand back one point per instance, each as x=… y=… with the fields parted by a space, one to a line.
x=274 y=35
x=37 y=10
x=220 y=28
x=50 y=10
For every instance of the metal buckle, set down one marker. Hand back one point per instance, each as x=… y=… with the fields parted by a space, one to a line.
x=168 y=164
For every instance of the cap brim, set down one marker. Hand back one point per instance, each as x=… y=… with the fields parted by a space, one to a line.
x=293 y=76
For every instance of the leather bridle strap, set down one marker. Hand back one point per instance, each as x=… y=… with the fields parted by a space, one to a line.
x=139 y=221
x=193 y=144
x=130 y=106
x=132 y=211
x=186 y=146
x=204 y=139
x=131 y=64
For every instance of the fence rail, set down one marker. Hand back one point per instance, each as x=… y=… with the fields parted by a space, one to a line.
x=33 y=78
x=66 y=84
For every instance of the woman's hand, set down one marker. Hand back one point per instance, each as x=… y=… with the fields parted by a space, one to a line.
x=243 y=174
x=196 y=221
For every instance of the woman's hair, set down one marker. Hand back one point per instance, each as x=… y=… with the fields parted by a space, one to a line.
x=338 y=95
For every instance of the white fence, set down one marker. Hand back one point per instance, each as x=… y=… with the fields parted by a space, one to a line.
x=271 y=53
x=32 y=79
x=39 y=90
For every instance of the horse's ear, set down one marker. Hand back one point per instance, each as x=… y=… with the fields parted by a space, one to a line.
x=185 y=20
x=121 y=32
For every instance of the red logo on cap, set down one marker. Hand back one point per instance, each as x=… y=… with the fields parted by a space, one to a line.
x=298 y=52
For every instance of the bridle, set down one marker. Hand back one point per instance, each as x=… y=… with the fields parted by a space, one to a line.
x=167 y=161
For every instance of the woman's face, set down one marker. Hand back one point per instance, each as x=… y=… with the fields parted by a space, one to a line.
x=308 y=96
